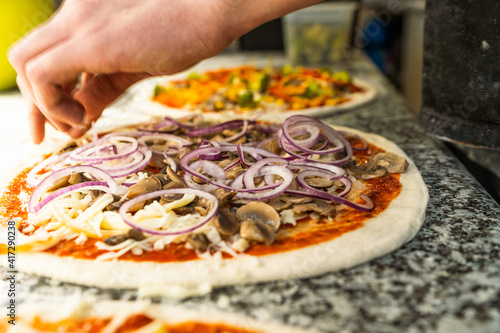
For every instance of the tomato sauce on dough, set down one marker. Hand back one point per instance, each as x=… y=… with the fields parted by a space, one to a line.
x=134 y=322
x=307 y=232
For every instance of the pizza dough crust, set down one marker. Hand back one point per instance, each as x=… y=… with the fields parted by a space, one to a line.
x=380 y=235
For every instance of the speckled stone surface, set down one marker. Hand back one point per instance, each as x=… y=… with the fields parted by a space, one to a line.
x=447 y=279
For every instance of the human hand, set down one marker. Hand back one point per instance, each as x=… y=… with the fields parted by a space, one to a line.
x=90 y=52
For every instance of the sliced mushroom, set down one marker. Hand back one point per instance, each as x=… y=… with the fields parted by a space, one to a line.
x=136 y=234
x=392 y=162
x=165 y=199
x=224 y=196
x=229 y=132
x=226 y=162
x=272 y=146
x=157 y=160
x=199 y=180
x=71 y=145
x=255 y=135
x=296 y=199
x=258 y=231
x=259 y=211
x=76 y=178
x=369 y=170
x=61 y=182
x=319 y=182
x=117 y=239
x=318 y=206
x=293 y=185
x=198 y=241
x=164 y=179
x=176 y=181
x=115 y=205
x=96 y=194
x=190 y=208
x=131 y=234
x=144 y=186
x=203 y=206
x=337 y=187
x=226 y=223
x=234 y=172
x=280 y=203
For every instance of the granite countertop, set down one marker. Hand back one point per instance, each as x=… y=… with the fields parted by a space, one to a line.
x=447 y=279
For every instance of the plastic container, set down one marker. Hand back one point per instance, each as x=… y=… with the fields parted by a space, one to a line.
x=320 y=34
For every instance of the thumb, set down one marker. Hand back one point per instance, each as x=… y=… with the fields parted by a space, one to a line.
x=98 y=91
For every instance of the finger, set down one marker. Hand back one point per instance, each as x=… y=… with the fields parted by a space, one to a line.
x=51 y=98
x=35 y=42
x=85 y=78
x=78 y=131
x=36 y=123
x=56 y=124
x=56 y=67
x=63 y=63
x=69 y=87
x=36 y=119
x=100 y=91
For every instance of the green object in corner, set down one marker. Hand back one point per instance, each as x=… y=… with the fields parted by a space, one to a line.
x=18 y=17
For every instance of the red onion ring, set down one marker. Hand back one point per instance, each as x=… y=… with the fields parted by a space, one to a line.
x=213 y=156
x=128 y=165
x=34 y=205
x=337 y=172
x=218 y=128
x=180 y=142
x=171 y=162
x=332 y=136
x=308 y=173
x=130 y=203
x=241 y=154
x=237 y=184
x=94 y=185
x=134 y=134
x=209 y=168
x=133 y=167
x=265 y=194
x=32 y=179
x=366 y=207
x=235 y=163
x=251 y=172
x=78 y=155
x=301 y=129
x=239 y=134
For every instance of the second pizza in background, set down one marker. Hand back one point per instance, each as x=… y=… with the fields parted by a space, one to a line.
x=245 y=91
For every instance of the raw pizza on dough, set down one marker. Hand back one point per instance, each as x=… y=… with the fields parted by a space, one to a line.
x=78 y=316
x=244 y=91
x=176 y=207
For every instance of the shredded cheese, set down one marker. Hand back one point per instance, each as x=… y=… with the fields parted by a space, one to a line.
x=287 y=217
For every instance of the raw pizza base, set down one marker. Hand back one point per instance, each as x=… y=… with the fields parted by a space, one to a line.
x=53 y=311
x=380 y=235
